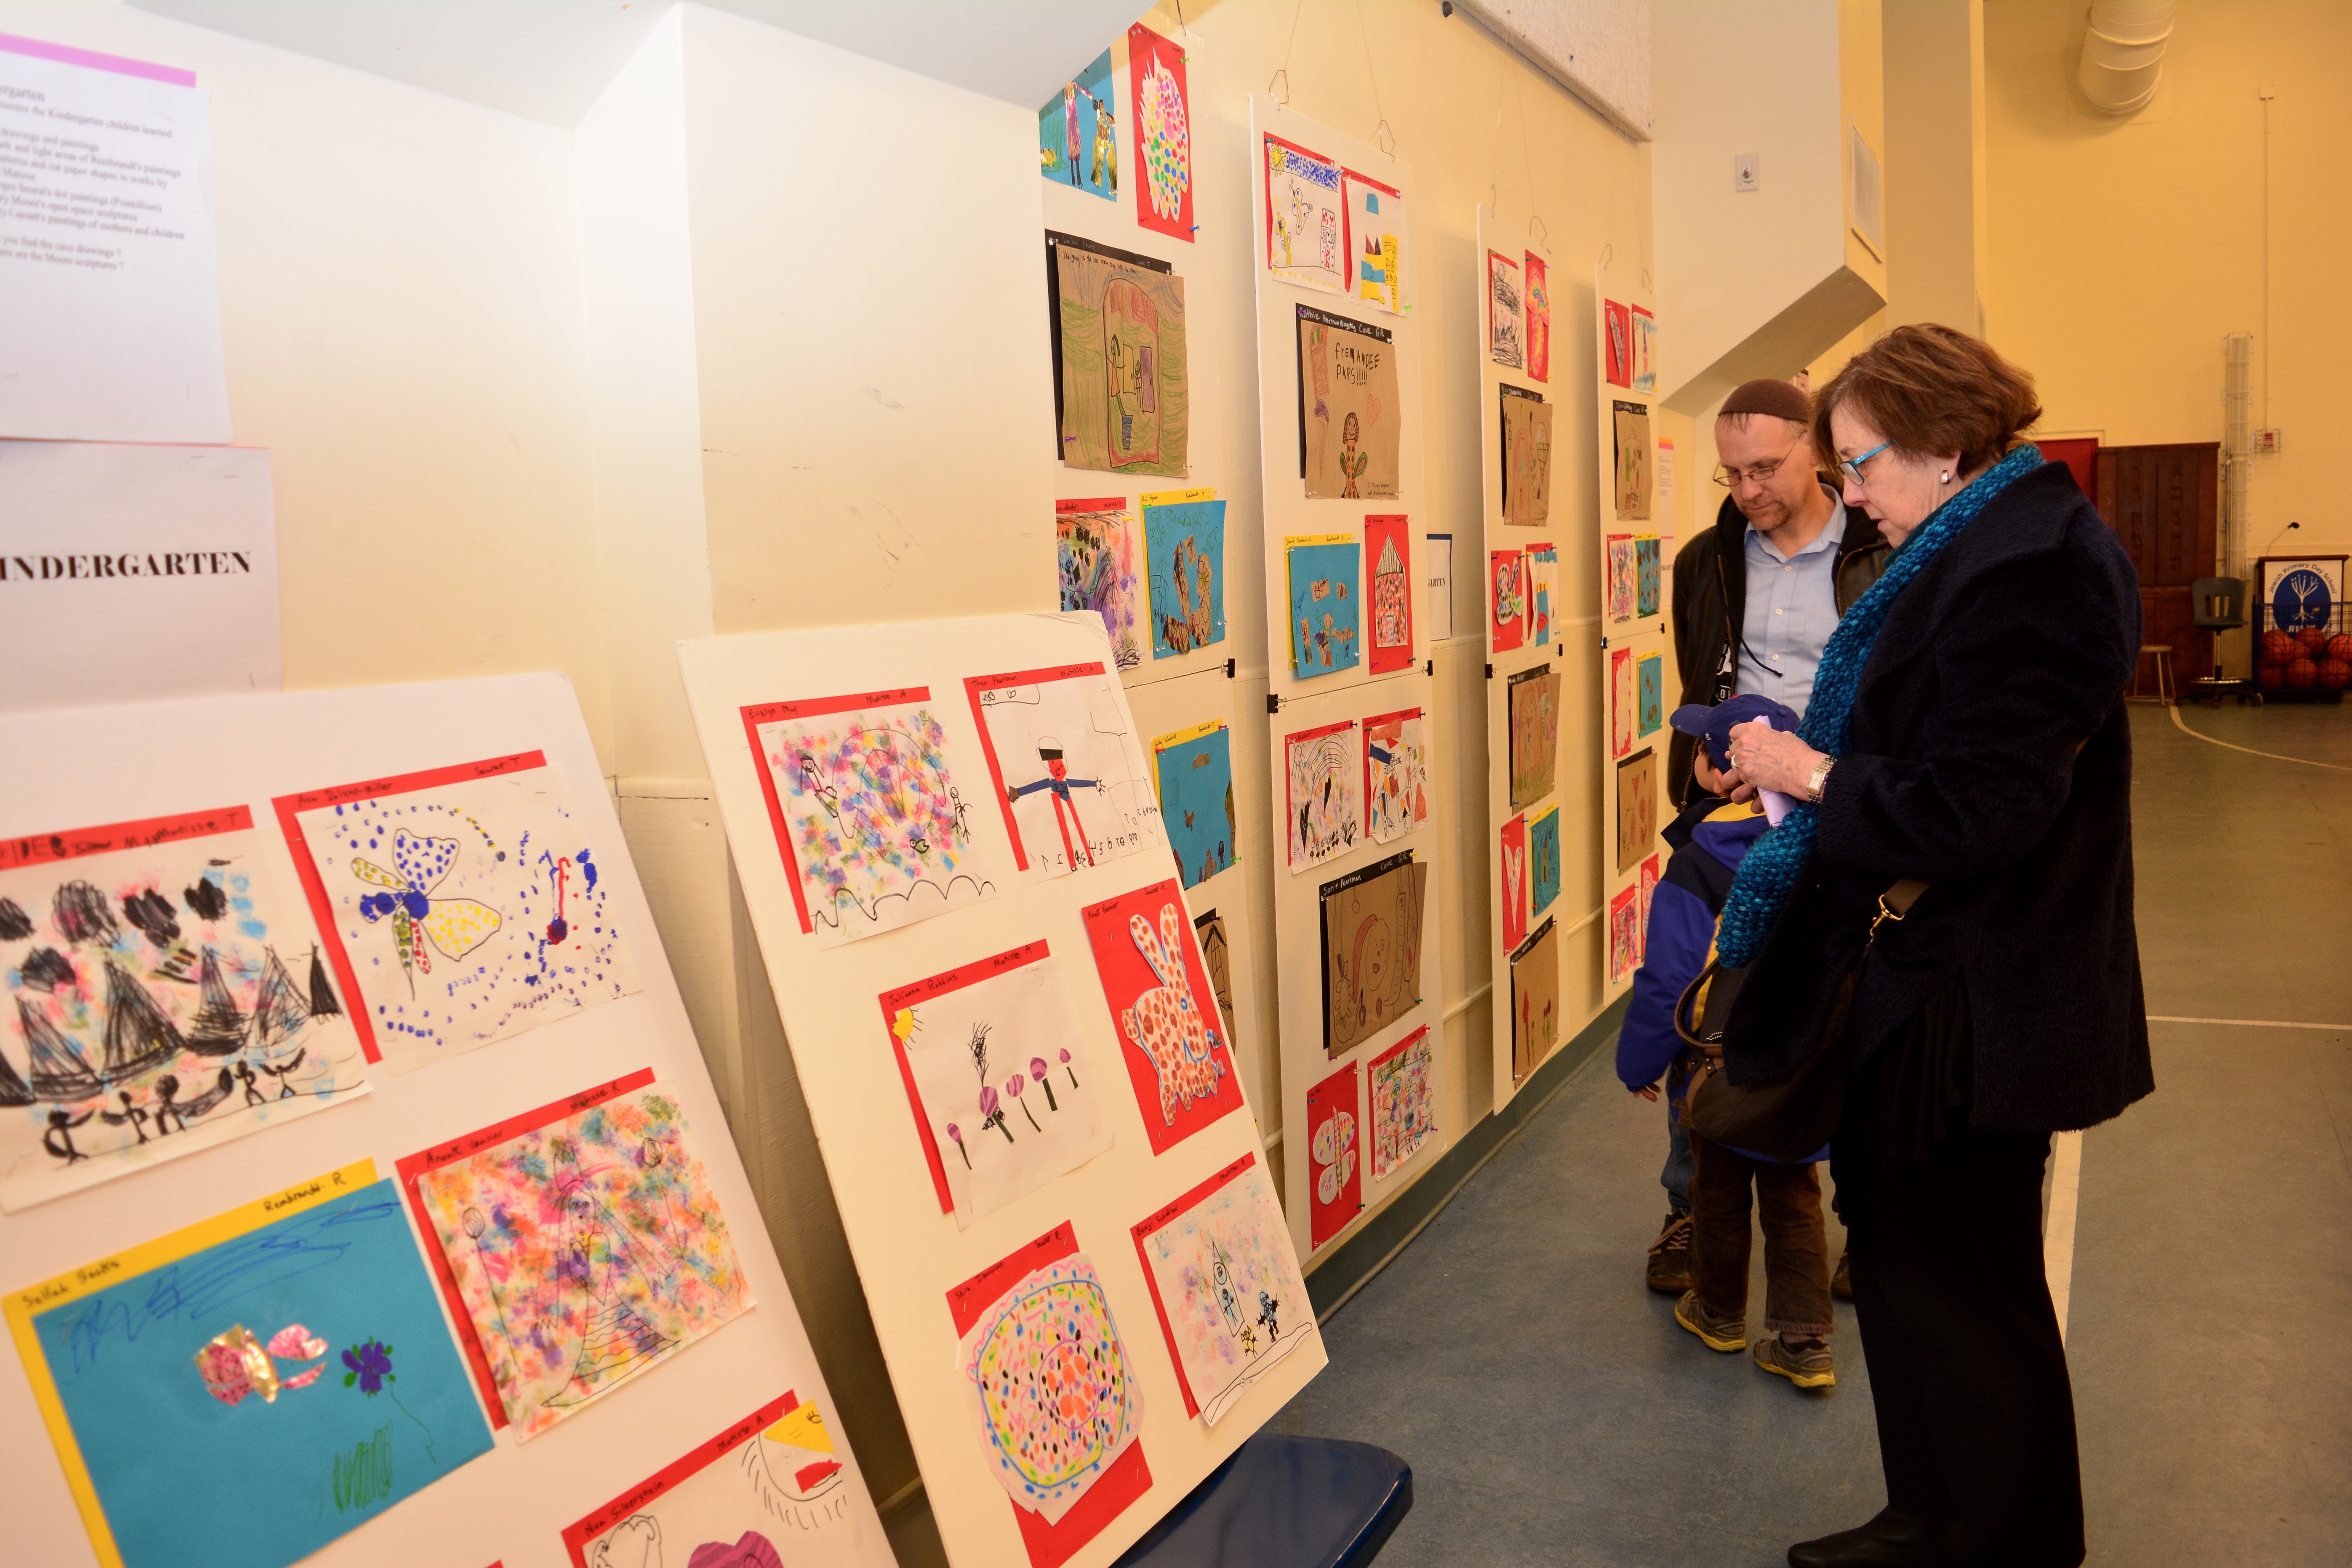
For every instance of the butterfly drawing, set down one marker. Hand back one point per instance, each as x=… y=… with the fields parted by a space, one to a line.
x=454 y=927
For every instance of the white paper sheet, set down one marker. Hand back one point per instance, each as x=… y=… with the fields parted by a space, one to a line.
x=109 y=279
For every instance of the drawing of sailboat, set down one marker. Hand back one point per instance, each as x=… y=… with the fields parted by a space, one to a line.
x=220 y=1028
x=279 y=1010
x=59 y=1069
x=322 y=995
x=138 y=1034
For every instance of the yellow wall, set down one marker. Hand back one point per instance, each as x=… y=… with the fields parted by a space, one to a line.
x=2121 y=251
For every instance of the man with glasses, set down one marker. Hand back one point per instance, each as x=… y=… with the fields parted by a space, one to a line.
x=1756 y=597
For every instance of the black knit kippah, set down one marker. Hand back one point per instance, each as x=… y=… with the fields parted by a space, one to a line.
x=1781 y=399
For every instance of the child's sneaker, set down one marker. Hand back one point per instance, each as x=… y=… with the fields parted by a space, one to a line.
x=1729 y=1335
x=1670 y=1255
x=1804 y=1362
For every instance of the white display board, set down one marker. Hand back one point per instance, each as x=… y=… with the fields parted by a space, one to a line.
x=1637 y=557
x=70 y=771
x=898 y=706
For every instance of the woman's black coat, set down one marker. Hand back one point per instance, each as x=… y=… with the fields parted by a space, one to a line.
x=1991 y=759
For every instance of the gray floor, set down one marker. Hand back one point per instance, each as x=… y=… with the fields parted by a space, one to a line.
x=1553 y=1414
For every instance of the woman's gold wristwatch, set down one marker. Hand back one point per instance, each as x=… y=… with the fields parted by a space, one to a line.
x=1820 y=776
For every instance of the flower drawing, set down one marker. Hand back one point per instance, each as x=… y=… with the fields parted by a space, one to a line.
x=371 y=1366
x=1037 y=1070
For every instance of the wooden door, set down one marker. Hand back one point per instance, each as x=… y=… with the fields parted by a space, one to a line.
x=2165 y=502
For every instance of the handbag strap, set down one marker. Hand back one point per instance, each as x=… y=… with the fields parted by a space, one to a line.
x=1894 y=904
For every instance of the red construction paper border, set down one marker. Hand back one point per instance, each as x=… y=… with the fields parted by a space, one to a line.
x=906 y=996
x=1324 y=1220
x=37 y=848
x=1158 y=1220
x=693 y=1462
x=1128 y=1477
x=758 y=713
x=1387 y=661
x=1267 y=184
x=315 y=888
x=1160 y=51
x=1099 y=503
x=415 y=1165
x=1517 y=624
x=973 y=686
x=1109 y=917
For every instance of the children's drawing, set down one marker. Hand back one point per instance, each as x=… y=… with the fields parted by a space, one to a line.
x=1396 y=775
x=1163 y=132
x=1324 y=807
x=187 y=1437
x=1535 y=1001
x=1217 y=958
x=1506 y=600
x=1067 y=767
x=1543 y=862
x=1325 y=593
x=1616 y=344
x=1538 y=311
x=1304 y=243
x=586 y=1245
x=1622 y=700
x=1637 y=806
x=1177 y=1050
x=1122 y=372
x=1645 y=351
x=1648 y=574
x=1376 y=238
x=1077 y=133
x=1543 y=594
x=1101 y=569
x=1513 y=884
x=1387 y=545
x=1649 y=886
x=1527 y=455
x=1005 y=1095
x=1631 y=423
x=1371 y=928
x=1348 y=414
x=1534 y=703
x=1624 y=935
x=1184 y=535
x=771 y=1489
x=1405 y=1102
x=1507 y=331
x=1335 y=1189
x=164 y=993
x=874 y=828
x=459 y=905
x=1621 y=577
x=1050 y=1384
x=1226 y=1285
x=1650 y=678
x=1195 y=769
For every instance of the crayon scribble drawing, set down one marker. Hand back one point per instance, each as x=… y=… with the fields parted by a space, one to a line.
x=1178 y=1052
x=1122 y=378
x=1324 y=809
x=1005 y=1095
x=242 y=1392
x=165 y=993
x=1232 y=1303
x=1077 y=133
x=1101 y=569
x=1621 y=577
x=873 y=828
x=587 y=1250
x=459 y=905
x=1405 y=1102
x=771 y=1489
x=1396 y=773
x=1067 y=767
x=1305 y=227
x=1372 y=931
x=1195 y=768
x=1185 y=539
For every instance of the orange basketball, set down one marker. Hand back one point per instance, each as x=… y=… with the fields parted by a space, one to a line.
x=2334 y=674
x=2302 y=674
x=2340 y=646
x=2278 y=646
x=2311 y=642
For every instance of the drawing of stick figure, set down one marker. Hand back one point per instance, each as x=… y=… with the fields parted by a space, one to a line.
x=1058 y=780
x=57 y=1137
x=130 y=1112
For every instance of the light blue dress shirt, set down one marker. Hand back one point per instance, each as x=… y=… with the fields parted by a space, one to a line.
x=1791 y=610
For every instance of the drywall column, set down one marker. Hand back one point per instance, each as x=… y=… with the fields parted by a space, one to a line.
x=1935 y=162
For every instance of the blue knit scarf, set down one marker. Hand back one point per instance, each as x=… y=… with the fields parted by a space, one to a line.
x=1769 y=872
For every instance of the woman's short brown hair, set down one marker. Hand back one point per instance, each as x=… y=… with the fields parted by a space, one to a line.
x=1929 y=389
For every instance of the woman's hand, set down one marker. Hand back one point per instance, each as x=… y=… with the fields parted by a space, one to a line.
x=1772 y=759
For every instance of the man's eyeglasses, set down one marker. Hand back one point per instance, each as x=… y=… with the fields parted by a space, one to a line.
x=1852 y=466
x=1731 y=477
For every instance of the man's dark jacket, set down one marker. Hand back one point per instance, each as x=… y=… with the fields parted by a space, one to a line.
x=1990 y=759
x=1711 y=601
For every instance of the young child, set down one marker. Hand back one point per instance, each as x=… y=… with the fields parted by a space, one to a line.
x=1708 y=841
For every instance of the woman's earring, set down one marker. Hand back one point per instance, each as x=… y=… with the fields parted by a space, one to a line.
x=1944 y=478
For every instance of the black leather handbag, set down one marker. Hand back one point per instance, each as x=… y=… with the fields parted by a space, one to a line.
x=1790 y=1116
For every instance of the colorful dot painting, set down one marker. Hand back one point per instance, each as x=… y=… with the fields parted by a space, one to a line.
x=1056 y=1397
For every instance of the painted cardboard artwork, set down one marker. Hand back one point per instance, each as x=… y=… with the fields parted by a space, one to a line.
x=1507 y=331
x=1217 y=959
x=1163 y=116
x=1349 y=418
x=1396 y=773
x=1099 y=557
x=587 y=1248
x=1067 y=767
x=459 y=906
x=1326 y=603
x=1172 y=1036
x=1511 y=840
x=1376 y=238
x=1526 y=457
x=1535 y=1001
x=1122 y=371
x=1335 y=1193
x=1185 y=542
x=1387 y=545
x=294 y=1340
x=1195 y=770
x=1324 y=803
x=1405 y=1102
x=1005 y=1095
x=873 y=828
x=165 y=993
x=1226 y=1286
x=1637 y=806
x=1534 y=702
x=1077 y=133
x=1372 y=928
x=1306 y=240
x=1634 y=460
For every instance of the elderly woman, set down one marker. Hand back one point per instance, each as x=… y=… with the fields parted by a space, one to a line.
x=1968 y=731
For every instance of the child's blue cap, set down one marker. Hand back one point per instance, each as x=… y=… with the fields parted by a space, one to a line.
x=1713 y=725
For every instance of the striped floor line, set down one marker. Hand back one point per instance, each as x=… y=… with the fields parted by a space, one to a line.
x=2058 y=1224
x=2274 y=757
x=2254 y=1024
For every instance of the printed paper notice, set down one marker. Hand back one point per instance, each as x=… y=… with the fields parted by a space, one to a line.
x=109 y=281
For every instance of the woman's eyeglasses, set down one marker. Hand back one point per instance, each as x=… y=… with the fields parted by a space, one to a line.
x=1852 y=466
